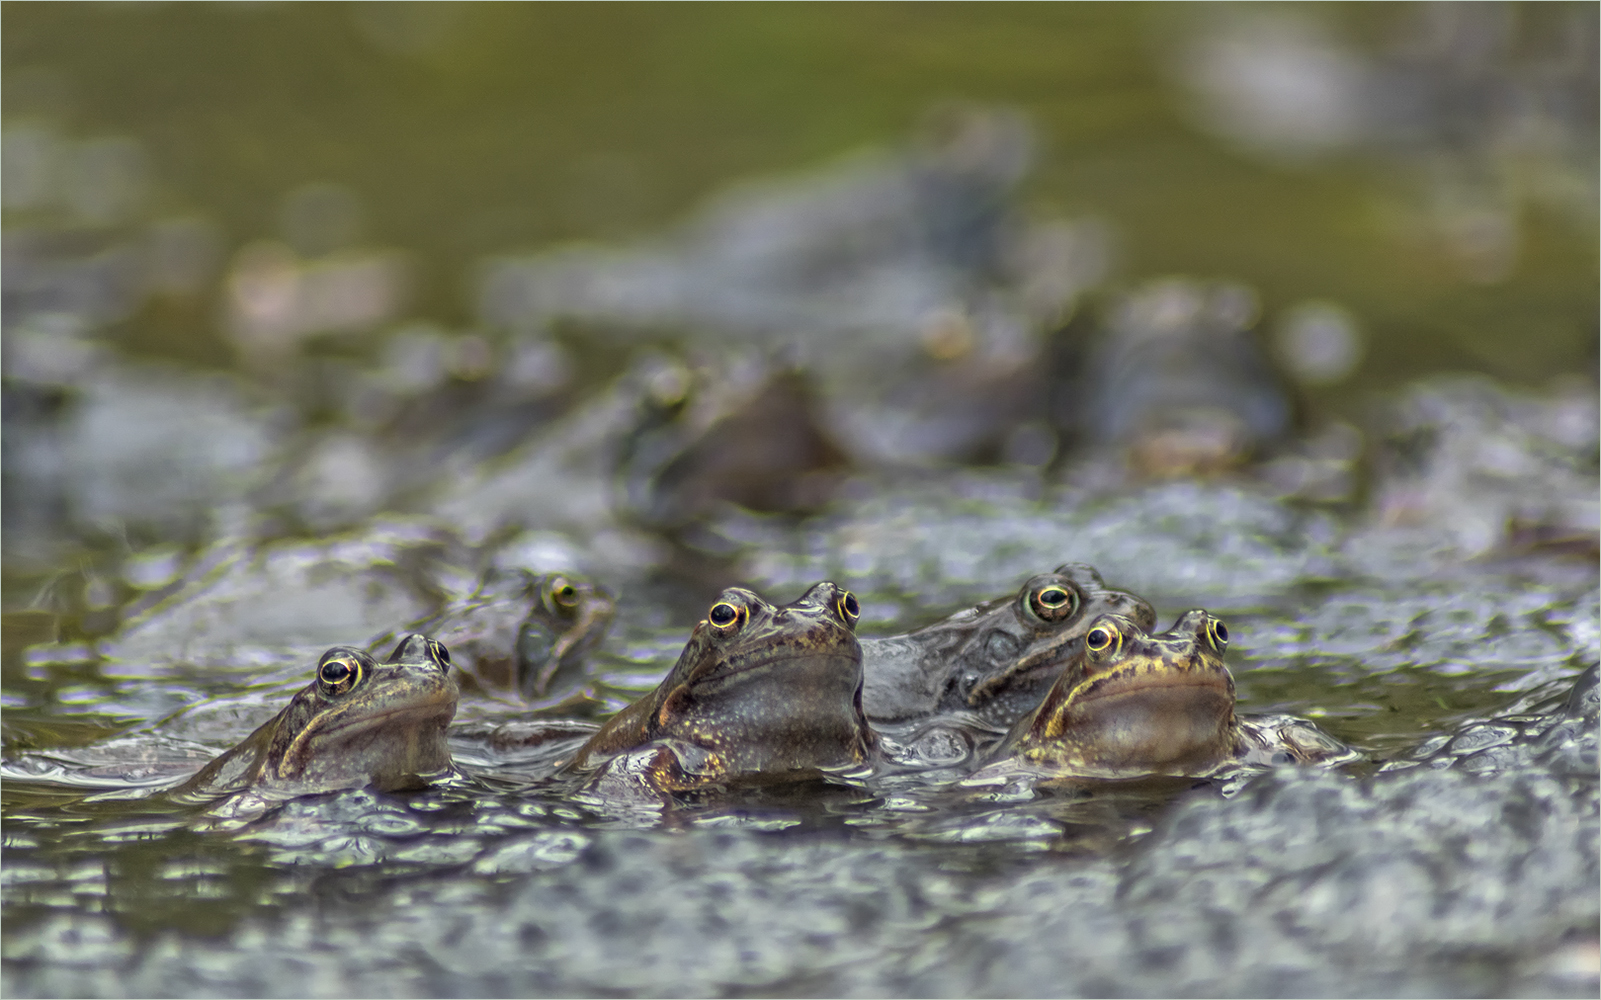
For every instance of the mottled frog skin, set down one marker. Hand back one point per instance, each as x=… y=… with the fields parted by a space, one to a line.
x=529 y=635
x=1130 y=703
x=759 y=693
x=996 y=659
x=358 y=723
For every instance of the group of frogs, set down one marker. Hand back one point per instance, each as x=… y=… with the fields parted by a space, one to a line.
x=1065 y=681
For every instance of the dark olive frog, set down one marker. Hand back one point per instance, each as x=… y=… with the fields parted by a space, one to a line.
x=1131 y=703
x=527 y=634
x=759 y=693
x=359 y=722
x=997 y=658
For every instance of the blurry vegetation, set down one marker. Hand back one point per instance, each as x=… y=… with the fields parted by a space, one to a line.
x=475 y=129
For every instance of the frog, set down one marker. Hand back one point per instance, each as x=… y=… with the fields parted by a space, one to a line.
x=524 y=635
x=761 y=694
x=996 y=659
x=1130 y=703
x=358 y=723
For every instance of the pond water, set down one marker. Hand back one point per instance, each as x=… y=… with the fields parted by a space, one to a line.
x=319 y=317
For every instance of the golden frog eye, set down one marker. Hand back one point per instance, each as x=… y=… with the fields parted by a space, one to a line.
x=1097 y=639
x=1218 y=634
x=1054 y=602
x=441 y=655
x=849 y=608
x=338 y=673
x=563 y=593
x=723 y=615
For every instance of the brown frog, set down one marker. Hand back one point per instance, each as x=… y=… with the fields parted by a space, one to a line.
x=996 y=659
x=529 y=634
x=360 y=722
x=1130 y=703
x=760 y=693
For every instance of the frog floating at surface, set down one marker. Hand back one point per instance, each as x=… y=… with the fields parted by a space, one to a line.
x=530 y=634
x=997 y=658
x=1131 y=704
x=761 y=693
x=360 y=722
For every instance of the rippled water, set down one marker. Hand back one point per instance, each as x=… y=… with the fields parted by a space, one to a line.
x=499 y=882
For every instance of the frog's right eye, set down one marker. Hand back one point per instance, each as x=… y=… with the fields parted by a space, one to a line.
x=338 y=673
x=724 y=615
x=1097 y=639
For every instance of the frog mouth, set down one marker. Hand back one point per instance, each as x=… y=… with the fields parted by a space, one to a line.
x=825 y=662
x=1152 y=681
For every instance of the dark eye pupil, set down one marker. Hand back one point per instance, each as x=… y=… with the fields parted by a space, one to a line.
x=851 y=607
x=1221 y=632
x=1098 y=639
x=1053 y=598
x=335 y=672
x=566 y=593
x=722 y=614
x=440 y=652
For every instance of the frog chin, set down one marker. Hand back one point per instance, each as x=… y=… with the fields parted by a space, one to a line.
x=1170 y=726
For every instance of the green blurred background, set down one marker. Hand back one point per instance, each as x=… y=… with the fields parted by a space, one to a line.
x=467 y=130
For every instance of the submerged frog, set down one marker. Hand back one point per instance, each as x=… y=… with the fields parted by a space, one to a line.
x=530 y=635
x=1130 y=703
x=360 y=722
x=996 y=659
x=760 y=693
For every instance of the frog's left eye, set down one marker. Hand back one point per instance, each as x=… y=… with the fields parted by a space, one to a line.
x=849 y=608
x=563 y=592
x=437 y=650
x=1217 y=634
x=1054 y=602
x=724 y=615
x=338 y=673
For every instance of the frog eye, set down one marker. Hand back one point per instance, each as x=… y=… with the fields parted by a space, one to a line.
x=849 y=608
x=563 y=592
x=724 y=615
x=338 y=673
x=1053 y=602
x=437 y=650
x=1218 y=634
x=1101 y=638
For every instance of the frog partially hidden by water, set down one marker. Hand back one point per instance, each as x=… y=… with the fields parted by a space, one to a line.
x=761 y=693
x=996 y=659
x=359 y=723
x=527 y=634
x=1130 y=704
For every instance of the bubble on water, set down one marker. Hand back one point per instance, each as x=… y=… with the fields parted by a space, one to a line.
x=1320 y=343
